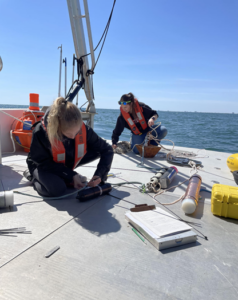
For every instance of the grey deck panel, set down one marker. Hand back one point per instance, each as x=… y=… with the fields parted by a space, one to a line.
x=36 y=215
x=101 y=258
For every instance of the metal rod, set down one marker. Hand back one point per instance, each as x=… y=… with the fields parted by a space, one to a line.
x=8 y=229
x=142 y=156
x=59 y=92
x=65 y=88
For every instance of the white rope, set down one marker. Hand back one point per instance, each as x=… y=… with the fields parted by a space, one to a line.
x=194 y=170
x=13 y=144
x=149 y=137
x=204 y=156
x=100 y=189
x=16 y=118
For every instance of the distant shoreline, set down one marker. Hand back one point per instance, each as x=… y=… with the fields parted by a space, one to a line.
x=199 y=112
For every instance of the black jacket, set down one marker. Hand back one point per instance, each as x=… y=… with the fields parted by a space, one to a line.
x=40 y=155
x=121 y=122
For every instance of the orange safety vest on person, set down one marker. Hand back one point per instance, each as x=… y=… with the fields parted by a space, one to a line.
x=58 y=150
x=139 y=113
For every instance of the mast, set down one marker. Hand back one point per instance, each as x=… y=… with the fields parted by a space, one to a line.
x=76 y=17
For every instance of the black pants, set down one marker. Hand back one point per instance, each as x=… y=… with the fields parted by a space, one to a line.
x=51 y=185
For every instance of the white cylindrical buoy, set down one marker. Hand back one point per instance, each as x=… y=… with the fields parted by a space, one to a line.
x=190 y=200
x=6 y=199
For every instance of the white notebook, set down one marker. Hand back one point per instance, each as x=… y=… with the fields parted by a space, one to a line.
x=158 y=223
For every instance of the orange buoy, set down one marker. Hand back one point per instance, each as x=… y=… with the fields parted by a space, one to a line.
x=23 y=131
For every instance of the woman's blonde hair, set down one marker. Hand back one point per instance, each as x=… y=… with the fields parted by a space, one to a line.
x=63 y=115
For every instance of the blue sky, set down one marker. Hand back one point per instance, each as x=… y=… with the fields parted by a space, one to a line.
x=177 y=55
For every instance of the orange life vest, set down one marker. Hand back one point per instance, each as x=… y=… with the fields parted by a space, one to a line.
x=58 y=150
x=130 y=122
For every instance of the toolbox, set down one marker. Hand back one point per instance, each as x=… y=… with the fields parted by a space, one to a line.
x=224 y=201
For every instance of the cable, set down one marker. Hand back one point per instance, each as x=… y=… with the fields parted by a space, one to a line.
x=79 y=83
x=204 y=190
x=123 y=169
x=11 y=136
x=128 y=182
x=179 y=218
x=50 y=198
x=13 y=144
x=193 y=165
x=90 y=72
x=83 y=104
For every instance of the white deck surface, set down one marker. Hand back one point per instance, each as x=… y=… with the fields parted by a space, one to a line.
x=99 y=256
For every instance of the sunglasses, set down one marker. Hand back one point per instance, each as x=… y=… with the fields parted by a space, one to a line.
x=124 y=103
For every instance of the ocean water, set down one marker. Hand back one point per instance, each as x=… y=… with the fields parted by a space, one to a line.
x=210 y=131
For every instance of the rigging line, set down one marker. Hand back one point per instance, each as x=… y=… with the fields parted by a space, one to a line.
x=123 y=169
x=80 y=73
x=104 y=35
x=14 y=117
x=83 y=104
x=108 y=24
x=215 y=174
x=109 y=20
x=102 y=46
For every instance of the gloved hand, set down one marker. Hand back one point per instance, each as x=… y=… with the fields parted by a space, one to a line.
x=151 y=122
x=79 y=181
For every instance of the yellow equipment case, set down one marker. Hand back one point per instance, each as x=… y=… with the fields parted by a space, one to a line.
x=224 y=201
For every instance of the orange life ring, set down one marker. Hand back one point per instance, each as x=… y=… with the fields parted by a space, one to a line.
x=23 y=132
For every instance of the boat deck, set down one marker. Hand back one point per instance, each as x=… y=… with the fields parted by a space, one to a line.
x=100 y=257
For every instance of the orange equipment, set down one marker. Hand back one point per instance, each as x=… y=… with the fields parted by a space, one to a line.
x=23 y=131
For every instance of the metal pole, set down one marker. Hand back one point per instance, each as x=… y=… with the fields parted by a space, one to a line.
x=80 y=43
x=59 y=92
x=73 y=78
x=65 y=61
x=73 y=68
x=90 y=39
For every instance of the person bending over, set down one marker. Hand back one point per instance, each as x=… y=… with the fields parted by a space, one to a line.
x=137 y=117
x=60 y=143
